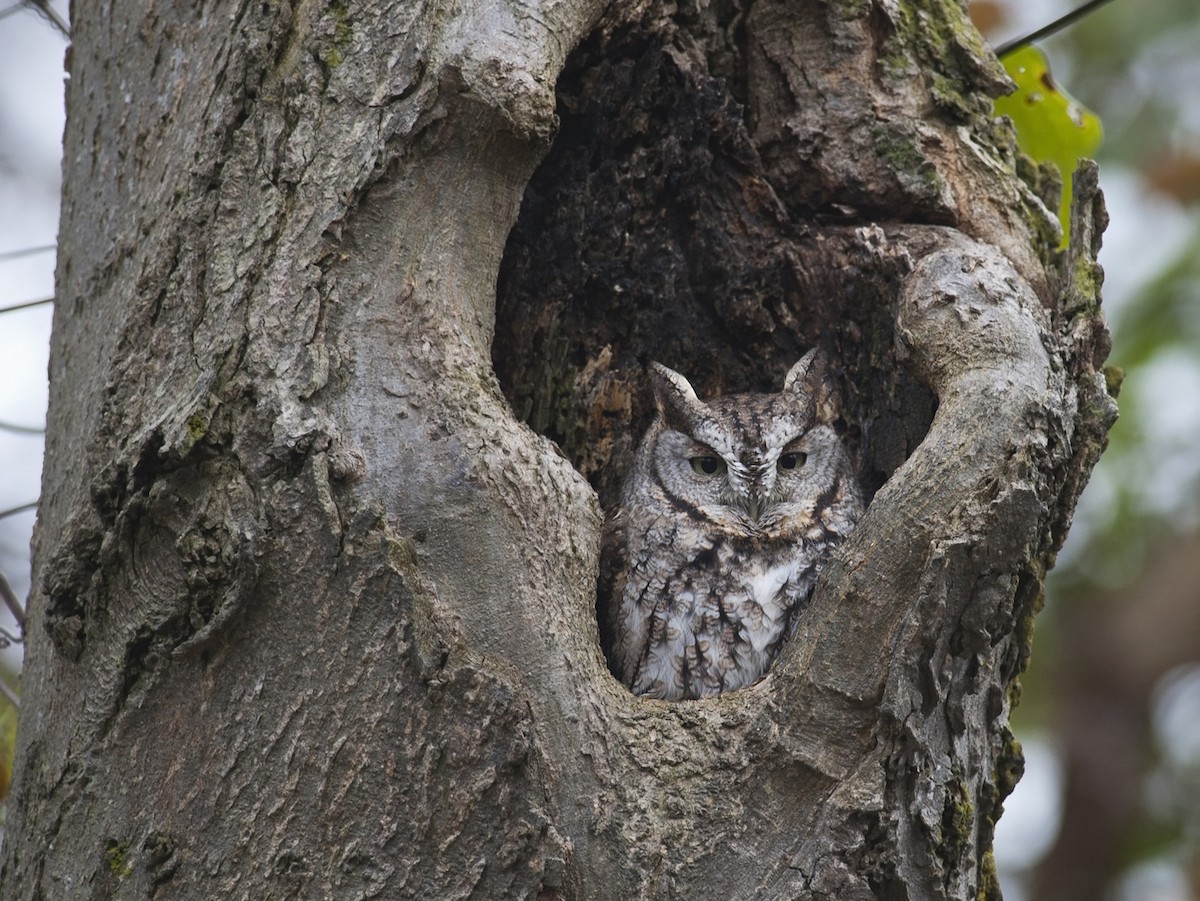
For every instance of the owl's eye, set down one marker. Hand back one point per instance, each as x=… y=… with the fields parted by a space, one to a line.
x=707 y=466
x=792 y=461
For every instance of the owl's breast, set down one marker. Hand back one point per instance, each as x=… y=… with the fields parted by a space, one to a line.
x=766 y=587
x=761 y=591
x=703 y=614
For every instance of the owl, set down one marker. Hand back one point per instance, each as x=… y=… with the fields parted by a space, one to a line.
x=731 y=509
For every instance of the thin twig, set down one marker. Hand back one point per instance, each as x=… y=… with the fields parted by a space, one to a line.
x=10 y=694
x=27 y=305
x=21 y=429
x=12 y=511
x=24 y=251
x=1045 y=31
x=44 y=7
x=15 y=607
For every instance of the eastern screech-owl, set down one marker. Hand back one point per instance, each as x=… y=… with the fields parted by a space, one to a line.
x=731 y=509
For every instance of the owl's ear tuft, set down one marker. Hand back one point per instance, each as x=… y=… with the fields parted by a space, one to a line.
x=810 y=379
x=674 y=397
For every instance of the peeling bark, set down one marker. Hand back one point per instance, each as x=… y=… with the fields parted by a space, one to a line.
x=315 y=611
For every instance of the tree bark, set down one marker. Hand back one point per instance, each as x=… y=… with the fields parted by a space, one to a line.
x=315 y=611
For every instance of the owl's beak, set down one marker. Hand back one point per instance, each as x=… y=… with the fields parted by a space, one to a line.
x=754 y=506
x=756 y=487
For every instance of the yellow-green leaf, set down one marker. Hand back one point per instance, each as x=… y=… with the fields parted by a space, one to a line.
x=1051 y=125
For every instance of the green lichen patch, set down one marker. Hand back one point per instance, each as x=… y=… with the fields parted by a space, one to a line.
x=989 y=879
x=938 y=40
x=905 y=157
x=1114 y=377
x=958 y=818
x=116 y=854
x=1010 y=766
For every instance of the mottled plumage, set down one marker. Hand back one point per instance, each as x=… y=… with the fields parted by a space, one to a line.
x=731 y=509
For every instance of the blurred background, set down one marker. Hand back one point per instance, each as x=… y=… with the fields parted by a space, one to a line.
x=31 y=129
x=1109 y=807
x=1110 y=714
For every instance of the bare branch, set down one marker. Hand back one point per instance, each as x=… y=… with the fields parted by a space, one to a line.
x=27 y=304
x=22 y=429
x=24 y=251
x=13 y=511
x=49 y=13
x=1047 y=30
x=15 y=607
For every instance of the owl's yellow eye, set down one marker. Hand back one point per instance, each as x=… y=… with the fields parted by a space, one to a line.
x=792 y=461
x=707 y=466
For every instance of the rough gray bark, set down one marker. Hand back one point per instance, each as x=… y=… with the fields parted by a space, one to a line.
x=314 y=612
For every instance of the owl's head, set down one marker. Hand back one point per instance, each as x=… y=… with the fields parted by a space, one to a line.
x=757 y=464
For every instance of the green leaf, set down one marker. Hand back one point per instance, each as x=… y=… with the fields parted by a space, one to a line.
x=1051 y=126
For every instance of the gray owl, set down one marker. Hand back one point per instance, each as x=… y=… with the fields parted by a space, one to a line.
x=731 y=509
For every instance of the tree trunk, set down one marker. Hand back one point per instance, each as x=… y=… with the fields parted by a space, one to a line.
x=315 y=612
